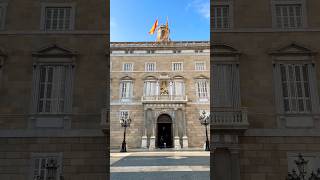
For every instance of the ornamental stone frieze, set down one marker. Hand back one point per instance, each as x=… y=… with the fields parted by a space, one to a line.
x=164 y=106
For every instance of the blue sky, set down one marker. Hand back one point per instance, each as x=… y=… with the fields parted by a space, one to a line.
x=131 y=20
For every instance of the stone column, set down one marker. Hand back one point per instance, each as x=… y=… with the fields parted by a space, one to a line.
x=152 y=138
x=176 y=130
x=152 y=125
x=144 y=139
x=235 y=164
x=185 y=143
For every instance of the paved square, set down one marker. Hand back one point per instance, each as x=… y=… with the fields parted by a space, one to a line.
x=175 y=165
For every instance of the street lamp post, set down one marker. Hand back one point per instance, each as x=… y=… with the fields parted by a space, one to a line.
x=205 y=121
x=301 y=164
x=125 y=122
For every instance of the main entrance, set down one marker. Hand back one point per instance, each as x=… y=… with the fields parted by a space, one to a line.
x=164 y=132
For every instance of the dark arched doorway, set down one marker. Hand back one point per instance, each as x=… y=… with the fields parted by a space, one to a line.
x=164 y=132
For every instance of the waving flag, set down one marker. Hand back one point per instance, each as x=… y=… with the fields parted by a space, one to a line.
x=154 y=27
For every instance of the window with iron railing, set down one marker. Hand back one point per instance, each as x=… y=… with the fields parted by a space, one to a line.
x=58 y=18
x=221 y=17
x=289 y=16
x=149 y=67
x=127 y=67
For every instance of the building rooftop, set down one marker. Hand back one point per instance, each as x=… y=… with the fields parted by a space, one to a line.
x=162 y=45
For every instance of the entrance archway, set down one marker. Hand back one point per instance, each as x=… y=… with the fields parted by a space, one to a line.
x=164 y=137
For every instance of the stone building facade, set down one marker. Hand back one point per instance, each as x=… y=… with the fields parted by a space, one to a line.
x=48 y=51
x=163 y=87
x=273 y=45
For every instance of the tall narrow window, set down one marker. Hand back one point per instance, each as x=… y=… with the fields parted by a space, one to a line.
x=289 y=15
x=126 y=89
x=295 y=88
x=226 y=90
x=150 y=88
x=52 y=89
x=150 y=67
x=177 y=66
x=202 y=86
x=58 y=18
x=127 y=67
x=178 y=88
x=221 y=17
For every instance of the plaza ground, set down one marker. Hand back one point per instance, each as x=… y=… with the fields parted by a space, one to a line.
x=159 y=165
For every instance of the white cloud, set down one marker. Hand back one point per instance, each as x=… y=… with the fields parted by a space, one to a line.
x=200 y=6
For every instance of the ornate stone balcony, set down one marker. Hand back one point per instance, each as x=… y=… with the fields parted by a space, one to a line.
x=229 y=118
x=164 y=98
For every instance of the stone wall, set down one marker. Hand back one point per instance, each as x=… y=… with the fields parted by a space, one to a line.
x=83 y=157
x=265 y=158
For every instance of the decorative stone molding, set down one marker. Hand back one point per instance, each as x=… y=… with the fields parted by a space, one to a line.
x=156 y=48
x=52 y=55
x=295 y=53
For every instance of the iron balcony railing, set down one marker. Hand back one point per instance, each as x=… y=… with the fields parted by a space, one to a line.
x=160 y=98
x=229 y=118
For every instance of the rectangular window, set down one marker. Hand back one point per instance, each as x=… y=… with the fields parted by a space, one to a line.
x=126 y=89
x=177 y=66
x=288 y=16
x=178 y=88
x=295 y=88
x=47 y=166
x=203 y=89
x=200 y=66
x=226 y=86
x=52 y=87
x=221 y=17
x=150 y=67
x=127 y=67
x=57 y=18
x=150 y=88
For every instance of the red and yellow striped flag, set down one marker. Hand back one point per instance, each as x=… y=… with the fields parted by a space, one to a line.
x=154 y=27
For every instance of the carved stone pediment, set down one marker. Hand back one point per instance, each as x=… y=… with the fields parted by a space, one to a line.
x=54 y=51
x=150 y=77
x=126 y=78
x=201 y=76
x=292 y=49
x=223 y=49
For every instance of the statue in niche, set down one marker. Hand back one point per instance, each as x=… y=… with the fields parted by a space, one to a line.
x=164 y=88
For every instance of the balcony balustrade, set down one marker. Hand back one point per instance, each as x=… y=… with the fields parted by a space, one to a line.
x=229 y=118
